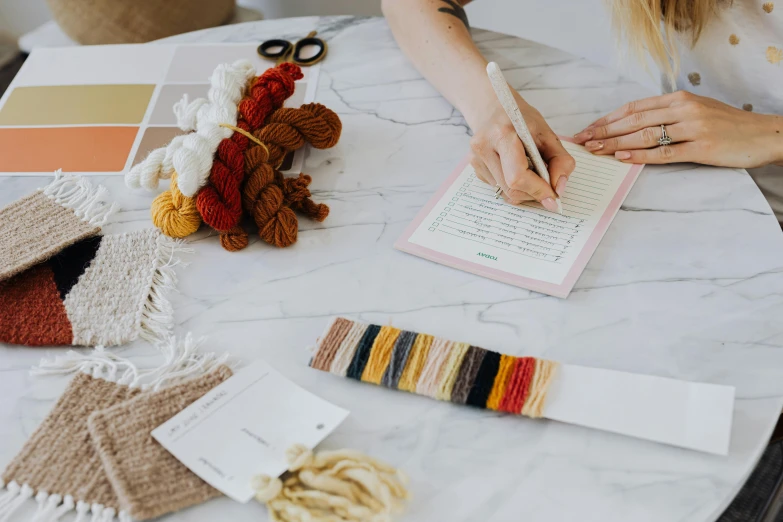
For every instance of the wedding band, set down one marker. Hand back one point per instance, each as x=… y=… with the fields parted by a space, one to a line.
x=664 y=139
x=498 y=191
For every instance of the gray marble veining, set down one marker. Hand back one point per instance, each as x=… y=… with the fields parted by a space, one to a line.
x=687 y=283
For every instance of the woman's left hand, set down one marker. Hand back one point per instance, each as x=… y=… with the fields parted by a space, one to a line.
x=703 y=130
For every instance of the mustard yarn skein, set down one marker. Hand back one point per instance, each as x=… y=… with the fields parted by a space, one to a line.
x=174 y=213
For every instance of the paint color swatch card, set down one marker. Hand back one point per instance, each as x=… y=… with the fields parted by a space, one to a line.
x=101 y=109
x=465 y=227
x=242 y=428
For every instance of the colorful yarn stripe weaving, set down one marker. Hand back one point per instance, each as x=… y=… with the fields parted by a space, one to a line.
x=435 y=367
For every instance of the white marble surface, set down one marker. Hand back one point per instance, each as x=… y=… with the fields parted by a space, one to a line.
x=688 y=283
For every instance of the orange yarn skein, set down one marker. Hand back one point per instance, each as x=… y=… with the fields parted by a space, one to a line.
x=287 y=130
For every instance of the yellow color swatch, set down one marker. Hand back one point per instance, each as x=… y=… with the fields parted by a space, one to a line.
x=76 y=105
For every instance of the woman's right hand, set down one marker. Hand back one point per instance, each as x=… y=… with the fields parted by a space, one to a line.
x=499 y=157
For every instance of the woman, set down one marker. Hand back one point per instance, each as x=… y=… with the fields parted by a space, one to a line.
x=730 y=55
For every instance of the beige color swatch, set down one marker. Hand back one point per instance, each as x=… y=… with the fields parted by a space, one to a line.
x=76 y=105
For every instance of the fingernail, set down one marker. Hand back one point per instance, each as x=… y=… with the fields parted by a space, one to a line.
x=561 y=183
x=550 y=204
x=594 y=145
x=584 y=135
x=622 y=154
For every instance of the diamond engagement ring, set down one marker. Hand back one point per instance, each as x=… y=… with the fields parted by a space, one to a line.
x=664 y=139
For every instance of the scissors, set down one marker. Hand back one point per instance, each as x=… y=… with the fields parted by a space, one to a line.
x=285 y=51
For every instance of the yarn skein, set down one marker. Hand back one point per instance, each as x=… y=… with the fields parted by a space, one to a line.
x=263 y=198
x=269 y=197
x=332 y=486
x=219 y=201
x=175 y=214
x=192 y=154
x=289 y=129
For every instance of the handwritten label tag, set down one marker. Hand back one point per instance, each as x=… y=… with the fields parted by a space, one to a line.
x=242 y=428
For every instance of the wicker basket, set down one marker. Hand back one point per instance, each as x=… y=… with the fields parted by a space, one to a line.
x=133 y=21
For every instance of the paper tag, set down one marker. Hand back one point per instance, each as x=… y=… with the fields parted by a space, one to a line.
x=693 y=415
x=243 y=427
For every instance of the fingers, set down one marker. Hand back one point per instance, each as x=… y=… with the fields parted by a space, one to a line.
x=559 y=161
x=645 y=104
x=483 y=172
x=629 y=124
x=676 y=153
x=642 y=139
x=519 y=177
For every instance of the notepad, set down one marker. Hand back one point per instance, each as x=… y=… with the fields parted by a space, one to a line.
x=465 y=227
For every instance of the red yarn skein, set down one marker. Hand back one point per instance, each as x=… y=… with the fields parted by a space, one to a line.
x=220 y=201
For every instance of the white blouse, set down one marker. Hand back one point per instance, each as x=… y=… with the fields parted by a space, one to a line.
x=739 y=60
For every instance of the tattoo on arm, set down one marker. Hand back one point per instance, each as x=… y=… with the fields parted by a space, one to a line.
x=456 y=10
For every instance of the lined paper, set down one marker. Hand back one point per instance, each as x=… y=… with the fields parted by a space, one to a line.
x=464 y=223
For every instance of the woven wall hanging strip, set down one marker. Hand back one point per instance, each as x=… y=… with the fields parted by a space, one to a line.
x=101 y=290
x=435 y=367
x=36 y=227
x=59 y=465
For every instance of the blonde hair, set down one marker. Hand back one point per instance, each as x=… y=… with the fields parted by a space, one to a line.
x=651 y=27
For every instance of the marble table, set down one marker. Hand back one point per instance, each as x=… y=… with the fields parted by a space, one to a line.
x=688 y=283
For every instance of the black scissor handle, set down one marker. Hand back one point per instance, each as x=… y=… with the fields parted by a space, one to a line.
x=307 y=42
x=283 y=45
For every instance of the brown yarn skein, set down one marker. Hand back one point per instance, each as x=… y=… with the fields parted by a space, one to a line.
x=287 y=130
x=297 y=195
x=263 y=198
x=268 y=196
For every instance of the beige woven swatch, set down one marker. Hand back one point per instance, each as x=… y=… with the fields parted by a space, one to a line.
x=35 y=228
x=147 y=479
x=59 y=457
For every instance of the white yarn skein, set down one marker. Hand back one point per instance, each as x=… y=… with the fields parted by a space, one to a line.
x=193 y=160
x=204 y=116
x=158 y=165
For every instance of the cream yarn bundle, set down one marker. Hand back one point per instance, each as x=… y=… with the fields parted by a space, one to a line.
x=191 y=155
x=332 y=486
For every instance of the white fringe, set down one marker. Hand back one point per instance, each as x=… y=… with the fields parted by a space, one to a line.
x=157 y=317
x=98 y=362
x=182 y=361
x=78 y=194
x=13 y=499
x=82 y=508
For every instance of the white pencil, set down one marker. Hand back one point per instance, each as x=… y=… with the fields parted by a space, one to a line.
x=503 y=92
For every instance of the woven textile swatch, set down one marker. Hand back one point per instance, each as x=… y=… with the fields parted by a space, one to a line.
x=147 y=479
x=59 y=457
x=105 y=290
x=40 y=225
x=65 y=468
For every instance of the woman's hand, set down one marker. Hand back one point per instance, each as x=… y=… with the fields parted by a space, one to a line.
x=499 y=157
x=703 y=130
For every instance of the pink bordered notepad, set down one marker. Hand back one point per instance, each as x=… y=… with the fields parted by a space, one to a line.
x=463 y=226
